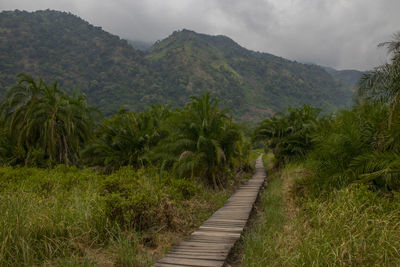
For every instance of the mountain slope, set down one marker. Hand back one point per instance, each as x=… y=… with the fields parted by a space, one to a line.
x=346 y=77
x=248 y=81
x=63 y=47
x=60 y=46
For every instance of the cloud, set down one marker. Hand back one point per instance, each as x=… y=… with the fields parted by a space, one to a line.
x=337 y=33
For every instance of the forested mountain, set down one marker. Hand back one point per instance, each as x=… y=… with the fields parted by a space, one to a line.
x=61 y=46
x=346 y=77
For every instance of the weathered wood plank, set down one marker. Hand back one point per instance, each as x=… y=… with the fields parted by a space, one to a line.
x=197 y=256
x=192 y=262
x=221 y=229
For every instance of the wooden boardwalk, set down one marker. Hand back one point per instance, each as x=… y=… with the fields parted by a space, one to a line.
x=211 y=243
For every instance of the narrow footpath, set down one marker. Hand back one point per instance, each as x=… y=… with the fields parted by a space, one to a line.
x=211 y=243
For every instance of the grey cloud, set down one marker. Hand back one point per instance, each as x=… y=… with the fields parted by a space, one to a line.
x=338 y=33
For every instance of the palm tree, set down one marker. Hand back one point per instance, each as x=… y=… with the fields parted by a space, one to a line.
x=125 y=138
x=203 y=141
x=384 y=82
x=43 y=119
x=289 y=136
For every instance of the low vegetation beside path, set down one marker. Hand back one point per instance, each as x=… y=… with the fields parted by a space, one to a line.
x=353 y=226
x=71 y=217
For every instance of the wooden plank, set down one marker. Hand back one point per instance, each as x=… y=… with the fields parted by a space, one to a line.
x=179 y=256
x=221 y=229
x=199 y=251
x=165 y=265
x=197 y=257
x=225 y=241
x=219 y=234
x=208 y=246
x=192 y=262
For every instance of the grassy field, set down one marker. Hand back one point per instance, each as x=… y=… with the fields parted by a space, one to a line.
x=353 y=226
x=71 y=217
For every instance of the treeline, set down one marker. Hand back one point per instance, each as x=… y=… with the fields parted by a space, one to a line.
x=358 y=145
x=42 y=126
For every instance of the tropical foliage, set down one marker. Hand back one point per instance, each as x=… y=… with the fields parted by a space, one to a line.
x=339 y=204
x=43 y=125
x=289 y=135
x=363 y=144
x=203 y=142
x=125 y=138
x=356 y=145
x=130 y=202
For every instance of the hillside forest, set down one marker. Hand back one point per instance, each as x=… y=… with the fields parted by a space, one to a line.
x=59 y=46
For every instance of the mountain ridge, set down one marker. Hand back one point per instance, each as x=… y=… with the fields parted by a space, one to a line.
x=61 y=46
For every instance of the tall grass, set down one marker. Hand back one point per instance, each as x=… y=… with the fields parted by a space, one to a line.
x=64 y=216
x=352 y=226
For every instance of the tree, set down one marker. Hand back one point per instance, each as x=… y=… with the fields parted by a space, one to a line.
x=289 y=136
x=125 y=138
x=45 y=124
x=203 y=141
x=384 y=82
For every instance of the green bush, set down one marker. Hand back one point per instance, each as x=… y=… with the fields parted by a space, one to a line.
x=289 y=135
x=136 y=210
x=140 y=200
x=183 y=189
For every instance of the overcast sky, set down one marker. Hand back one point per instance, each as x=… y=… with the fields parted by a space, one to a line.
x=339 y=33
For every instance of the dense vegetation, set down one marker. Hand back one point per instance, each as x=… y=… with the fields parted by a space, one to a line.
x=79 y=189
x=76 y=189
x=338 y=204
x=78 y=217
x=289 y=135
x=60 y=46
x=43 y=126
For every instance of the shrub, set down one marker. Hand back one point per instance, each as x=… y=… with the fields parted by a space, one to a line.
x=183 y=189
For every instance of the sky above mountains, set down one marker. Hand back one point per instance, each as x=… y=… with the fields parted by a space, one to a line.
x=342 y=34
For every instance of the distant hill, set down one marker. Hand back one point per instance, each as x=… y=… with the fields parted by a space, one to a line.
x=140 y=45
x=253 y=82
x=61 y=46
x=347 y=77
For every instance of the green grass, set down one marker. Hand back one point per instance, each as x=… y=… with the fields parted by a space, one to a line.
x=68 y=217
x=353 y=226
x=258 y=248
